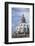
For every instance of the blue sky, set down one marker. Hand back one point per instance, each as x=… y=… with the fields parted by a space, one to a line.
x=16 y=14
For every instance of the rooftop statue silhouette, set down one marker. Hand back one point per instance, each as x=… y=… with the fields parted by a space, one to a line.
x=23 y=20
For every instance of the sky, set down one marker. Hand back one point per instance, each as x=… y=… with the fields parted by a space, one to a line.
x=16 y=15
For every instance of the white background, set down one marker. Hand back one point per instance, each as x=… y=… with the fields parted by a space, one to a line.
x=2 y=28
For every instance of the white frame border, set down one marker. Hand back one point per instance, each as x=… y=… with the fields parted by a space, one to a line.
x=9 y=25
